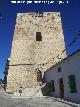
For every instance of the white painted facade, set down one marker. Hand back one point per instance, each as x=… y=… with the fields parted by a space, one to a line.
x=69 y=66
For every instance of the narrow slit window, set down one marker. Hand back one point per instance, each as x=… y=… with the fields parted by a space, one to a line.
x=38 y=36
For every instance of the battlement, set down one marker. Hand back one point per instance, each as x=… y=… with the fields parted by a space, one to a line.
x=39 y=14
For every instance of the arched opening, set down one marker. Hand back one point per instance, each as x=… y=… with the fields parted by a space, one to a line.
x=39 y=76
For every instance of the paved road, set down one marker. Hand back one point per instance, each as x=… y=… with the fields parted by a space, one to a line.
x=8 y=101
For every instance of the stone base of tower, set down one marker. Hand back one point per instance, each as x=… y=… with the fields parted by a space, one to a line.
x=34 y=91
x=22 y=76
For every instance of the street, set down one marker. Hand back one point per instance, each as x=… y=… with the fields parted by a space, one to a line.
x=9 y=101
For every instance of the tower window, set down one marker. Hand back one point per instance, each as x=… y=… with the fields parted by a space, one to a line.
x=38 y=36
x=41 y=14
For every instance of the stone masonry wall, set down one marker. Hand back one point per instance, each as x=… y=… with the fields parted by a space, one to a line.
x=29 y=55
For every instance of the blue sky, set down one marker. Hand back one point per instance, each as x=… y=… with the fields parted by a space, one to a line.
x=70 y=14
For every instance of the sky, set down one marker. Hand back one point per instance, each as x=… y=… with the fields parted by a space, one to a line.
x=70 y=16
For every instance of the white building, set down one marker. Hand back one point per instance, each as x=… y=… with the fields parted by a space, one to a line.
x=63 y=79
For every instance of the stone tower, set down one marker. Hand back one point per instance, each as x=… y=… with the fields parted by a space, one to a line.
x=38 y=40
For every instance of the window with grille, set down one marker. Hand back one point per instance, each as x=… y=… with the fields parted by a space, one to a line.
x=72 y=84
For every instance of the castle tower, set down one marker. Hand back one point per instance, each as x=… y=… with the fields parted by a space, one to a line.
x=38 y=40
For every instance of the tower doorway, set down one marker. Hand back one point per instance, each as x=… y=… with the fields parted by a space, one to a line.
x=39 y=76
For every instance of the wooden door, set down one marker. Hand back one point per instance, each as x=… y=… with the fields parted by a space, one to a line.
x=61 y=85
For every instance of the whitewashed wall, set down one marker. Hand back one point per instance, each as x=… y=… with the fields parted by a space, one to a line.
x=69 y=66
